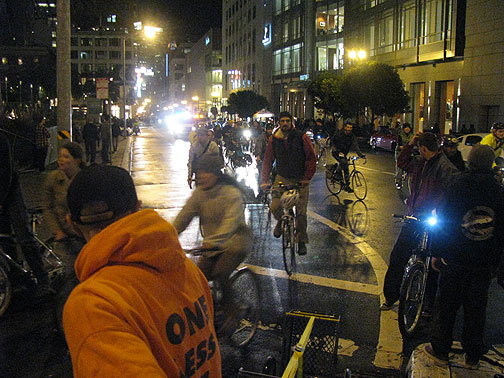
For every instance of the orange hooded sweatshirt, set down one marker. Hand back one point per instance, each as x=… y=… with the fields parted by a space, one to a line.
x=143 y=309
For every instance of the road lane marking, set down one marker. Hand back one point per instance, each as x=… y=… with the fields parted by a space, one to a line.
x=317 y=280
x=376 y=170
x=389 y=348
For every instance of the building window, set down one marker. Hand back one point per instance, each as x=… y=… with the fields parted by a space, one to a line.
x=296 y=27
x=432 y=21
x=285 y=33
x=128 y=55
x=407 y=29
x=115 y=42
x=74 y=54
x=114 y=54
x=278 y=6
x=101 y=68
x=86 y=68
x=369 y=39
x=386 y=33
x=73 y=41
x=86 y=41
x=85 y=55
x=101 y=54
x=100 y=41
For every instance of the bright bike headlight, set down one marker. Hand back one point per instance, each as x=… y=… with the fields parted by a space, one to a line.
x=247 y=134
x=432 y=221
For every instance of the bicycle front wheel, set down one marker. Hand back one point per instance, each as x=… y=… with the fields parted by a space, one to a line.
x=245 y=294
x=359 y=185
x=334 y=185
x=288 y=246
x=411 y=299
x=5 y=289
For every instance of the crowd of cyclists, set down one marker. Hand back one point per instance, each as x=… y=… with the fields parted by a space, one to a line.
x=97 y=207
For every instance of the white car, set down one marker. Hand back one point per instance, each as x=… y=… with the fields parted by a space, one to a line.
x=467 y=141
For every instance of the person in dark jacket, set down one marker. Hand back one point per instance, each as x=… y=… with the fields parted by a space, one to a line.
x=14 y=218
x=342 y=142
x=296 y=163
x=430 y=172
x=450 y=144
x=467 y=247
x=90 y=136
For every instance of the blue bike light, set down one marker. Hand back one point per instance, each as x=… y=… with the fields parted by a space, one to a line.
x=432 y=221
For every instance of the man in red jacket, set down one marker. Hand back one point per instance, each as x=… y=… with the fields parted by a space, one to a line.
x=295 y=159
x=430 y=173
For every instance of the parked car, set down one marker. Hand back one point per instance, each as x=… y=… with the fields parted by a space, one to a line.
x=385 y=139
x=467 y=141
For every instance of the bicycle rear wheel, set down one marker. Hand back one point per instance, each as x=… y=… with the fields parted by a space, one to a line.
x=359 y=185
x=245 y=294
x=334 y=185
x=288 y=246
x=5 y=289
x=411 y=299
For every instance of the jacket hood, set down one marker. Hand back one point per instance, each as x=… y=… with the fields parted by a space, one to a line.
x=142 y=238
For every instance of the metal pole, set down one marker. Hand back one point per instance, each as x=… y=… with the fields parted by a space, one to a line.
x=20 y=94
x=64 y=87
x=124 y=80
x=6 y=90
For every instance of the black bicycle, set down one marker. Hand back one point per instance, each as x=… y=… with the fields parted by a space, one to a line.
x=335 y=179
x=245 y=298
x=414 y=282
x=15 y=273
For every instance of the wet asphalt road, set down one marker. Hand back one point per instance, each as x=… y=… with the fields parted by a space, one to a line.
x=342 y=274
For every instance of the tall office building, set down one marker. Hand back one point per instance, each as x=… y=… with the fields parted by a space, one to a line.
x=246 y=46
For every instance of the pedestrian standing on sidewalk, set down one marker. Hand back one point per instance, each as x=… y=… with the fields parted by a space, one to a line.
x=468 y=248
x=143 y=308
x=90 y=135
x=41 y=142
x=116 y=131
x=105 y=134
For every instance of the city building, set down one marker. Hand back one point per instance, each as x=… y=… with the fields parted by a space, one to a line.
x=204 y=73
x=247 y=46
x=105 y=54
x=177 y=59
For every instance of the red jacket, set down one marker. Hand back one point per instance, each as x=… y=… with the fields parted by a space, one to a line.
x=429 y=179
x=310 y=161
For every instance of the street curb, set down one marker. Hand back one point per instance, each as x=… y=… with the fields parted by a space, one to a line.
x=126 y=159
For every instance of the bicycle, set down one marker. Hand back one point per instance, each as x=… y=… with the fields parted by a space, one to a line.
x=246 y=298
x=16 y=274
x=289 y=195
x=335 y=180
x=414 y=282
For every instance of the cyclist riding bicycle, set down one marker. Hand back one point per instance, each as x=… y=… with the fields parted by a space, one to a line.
x=218 y=202
x=342 y=142
x=403 y=138
x=203 y=145
x=13 y=216
x=496 y=141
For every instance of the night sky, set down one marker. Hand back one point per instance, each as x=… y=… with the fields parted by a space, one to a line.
x=190 y=19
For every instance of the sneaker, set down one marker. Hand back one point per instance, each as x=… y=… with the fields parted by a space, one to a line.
x=277 y=232
x=471 y=364
x=386 y=306
x=301 y=249
x=439 y=358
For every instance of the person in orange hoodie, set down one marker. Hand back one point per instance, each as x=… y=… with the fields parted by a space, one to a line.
x=142 y=309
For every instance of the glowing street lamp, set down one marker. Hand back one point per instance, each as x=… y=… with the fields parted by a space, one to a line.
x=151 y=31
x=195 y=98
